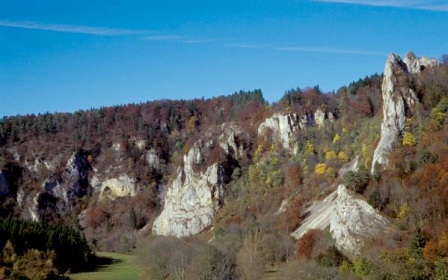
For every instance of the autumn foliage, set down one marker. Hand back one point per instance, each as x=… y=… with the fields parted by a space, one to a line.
x=306 y=243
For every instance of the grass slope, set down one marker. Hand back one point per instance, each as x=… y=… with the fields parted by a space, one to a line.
x=113 y=267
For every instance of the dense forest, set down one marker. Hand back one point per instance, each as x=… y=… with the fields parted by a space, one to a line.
x=267 y=188
x=39 y=251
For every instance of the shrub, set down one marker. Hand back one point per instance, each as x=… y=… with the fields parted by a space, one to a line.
x=441 y=269
x=409 y=139
x=330 y=155
x=320 y=168
x=306 y=243
x=357 y=180
x=343 y=156
x=330 y=257
x=363 y=267
x=172 y=258
x=417 y=244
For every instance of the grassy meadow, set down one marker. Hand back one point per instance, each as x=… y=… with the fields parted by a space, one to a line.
x=113 y=266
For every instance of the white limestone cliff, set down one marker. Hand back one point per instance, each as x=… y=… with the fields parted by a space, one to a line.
x=282 y=127
x=189 y=204
x=416 y=65
x=350 y=219
x=354 y=221
x=230 y=139
x=398 y=99
x=118 y=187
x=319 y=117
x=318 y=214
x=193 y=198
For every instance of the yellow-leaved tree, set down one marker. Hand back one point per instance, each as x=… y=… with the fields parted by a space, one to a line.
x=320 y=168
x=336 y=138
x=409 y=139
x=309 y=148
x=330 y=155
x=342 y=156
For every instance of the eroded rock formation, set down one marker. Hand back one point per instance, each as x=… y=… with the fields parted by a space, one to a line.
x=351 y=220
x=283 y=126
x=354 y=221
x=193 y=198
x=399 y=99
x=118 y=187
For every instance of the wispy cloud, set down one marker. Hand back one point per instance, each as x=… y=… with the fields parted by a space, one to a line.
x=329 y=50
x=248 y=46
x=163 y=38
x=306 y=49
x=442 y=7
x=414 y=4
x=99 y=31
x=153 y=36
x=68 y=28
x=177 y=39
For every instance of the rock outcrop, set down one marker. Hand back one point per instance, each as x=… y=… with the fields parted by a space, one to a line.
x=60 y=191
x=416 y=65
x=193 y=198
x=319 y=117
x=399 y=99
x=233 y=140
x=152 y=159
x=282 y=128
x=354 y=221
x=318 y=216
x=351 y=220
x=118 y=187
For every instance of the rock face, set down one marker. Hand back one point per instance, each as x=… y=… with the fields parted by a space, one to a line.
x=233 y=140
x=282 y=127
x=319 y=216
x=416 y=65
x=192 y=200
x=399 y=100
x=152 y=159
x=118 y=187
x=351 y=221
x=60 y=190
x=77 y=172
x=319 y=117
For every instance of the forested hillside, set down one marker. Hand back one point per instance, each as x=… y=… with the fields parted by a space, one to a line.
x=214 y=188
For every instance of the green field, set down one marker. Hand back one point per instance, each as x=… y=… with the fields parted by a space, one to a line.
x=114 y=267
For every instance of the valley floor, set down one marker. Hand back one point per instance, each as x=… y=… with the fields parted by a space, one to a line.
x=114 y=267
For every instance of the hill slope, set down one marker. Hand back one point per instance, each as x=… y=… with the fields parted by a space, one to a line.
x=242 y=174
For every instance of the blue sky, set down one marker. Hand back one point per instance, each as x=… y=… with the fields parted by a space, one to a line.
x=61 y=56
